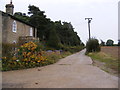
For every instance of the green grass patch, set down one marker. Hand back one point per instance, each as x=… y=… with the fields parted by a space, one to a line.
x=110 y=62
x=54 y=57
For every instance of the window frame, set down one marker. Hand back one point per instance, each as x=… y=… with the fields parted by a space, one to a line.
x=14 y=26
x=31 y=31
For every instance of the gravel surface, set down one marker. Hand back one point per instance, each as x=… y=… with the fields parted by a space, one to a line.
x=74 y=71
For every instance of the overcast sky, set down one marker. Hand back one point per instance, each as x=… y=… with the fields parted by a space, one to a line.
x=104 y=13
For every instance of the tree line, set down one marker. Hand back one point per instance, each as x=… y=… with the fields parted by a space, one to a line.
x=109 y=42
x=53 y=33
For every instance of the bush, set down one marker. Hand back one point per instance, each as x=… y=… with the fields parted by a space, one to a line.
x=72 y=49
x=109 y=42
x=92 y=45
x=8 y=49
x=28 y=55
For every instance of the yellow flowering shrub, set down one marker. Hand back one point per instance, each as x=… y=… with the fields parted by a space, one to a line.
x=28 y=53
x=27 y=56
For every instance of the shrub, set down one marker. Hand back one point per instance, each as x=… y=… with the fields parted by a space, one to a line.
x=8 y=49
x=92 y=45
x=30 y=55
x=109 y=42
x=27 y=56
x=72 y=49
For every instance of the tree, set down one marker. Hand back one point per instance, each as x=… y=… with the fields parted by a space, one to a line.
x=92 y=45
x=22 y=16
x=118 y=42
x=53 y=40
x=109 y=42
x=35 y=10
x=66 y=34
x=54 y=33
x=39 y=20
x=102 y=43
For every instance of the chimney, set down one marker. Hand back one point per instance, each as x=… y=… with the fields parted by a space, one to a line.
x=9 y=8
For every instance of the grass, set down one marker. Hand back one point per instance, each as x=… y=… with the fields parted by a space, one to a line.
x=53 y=57
x=109 y=61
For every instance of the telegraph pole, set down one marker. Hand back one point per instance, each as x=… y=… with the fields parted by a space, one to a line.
x=89 y=21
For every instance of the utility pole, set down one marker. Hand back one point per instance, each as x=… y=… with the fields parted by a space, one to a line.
x=89 y=21
x=10 y=1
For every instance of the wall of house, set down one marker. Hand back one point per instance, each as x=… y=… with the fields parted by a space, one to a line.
x=0 y=48
x=8 y=35
x=0 y=28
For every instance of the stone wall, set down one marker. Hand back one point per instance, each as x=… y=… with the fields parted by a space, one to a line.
x=0 y=26
x=8 y=35
x=0 y=48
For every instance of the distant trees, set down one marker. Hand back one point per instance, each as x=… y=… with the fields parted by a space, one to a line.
x=118 y=42
x=66 y=34
x=109 y=42
x=102 y=43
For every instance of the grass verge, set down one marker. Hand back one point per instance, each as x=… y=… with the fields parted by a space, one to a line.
x=105 y=62
x=54 y=57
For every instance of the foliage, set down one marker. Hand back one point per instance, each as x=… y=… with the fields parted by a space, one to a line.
x=72 y=49
x=92 y=45
x=22 y=16
x=53 y=57
x=8 y=49
x=118 y=42
x=27 y=56
x=109 y=42
x=53 y=40
x=102 y=43
x=39 y=20
x=66 y=34
x=63 y=33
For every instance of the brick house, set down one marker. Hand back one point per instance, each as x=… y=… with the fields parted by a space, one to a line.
x=15 y=30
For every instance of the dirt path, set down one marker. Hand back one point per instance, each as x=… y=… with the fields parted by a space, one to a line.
x=75 y=71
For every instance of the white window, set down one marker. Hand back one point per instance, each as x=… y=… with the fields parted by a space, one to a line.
x=14 y=41
x=14 y=48
x=31 y=32
x=14 y=26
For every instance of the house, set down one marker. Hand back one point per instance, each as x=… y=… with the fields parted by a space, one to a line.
x=15 y=30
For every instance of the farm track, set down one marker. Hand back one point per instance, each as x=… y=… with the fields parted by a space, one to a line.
x=74 y=71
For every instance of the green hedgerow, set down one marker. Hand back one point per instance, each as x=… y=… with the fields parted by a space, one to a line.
x=92 y=45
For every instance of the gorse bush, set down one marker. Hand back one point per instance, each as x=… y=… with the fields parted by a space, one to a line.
x=28 y=55
x=92 y=45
